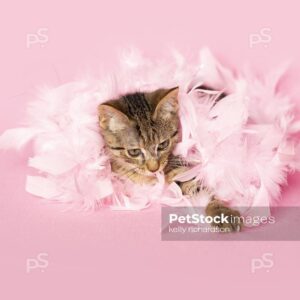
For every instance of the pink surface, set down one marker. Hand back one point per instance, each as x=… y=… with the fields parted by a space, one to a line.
x=108 y=255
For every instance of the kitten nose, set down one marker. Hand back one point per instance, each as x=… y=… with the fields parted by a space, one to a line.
x=152 y=165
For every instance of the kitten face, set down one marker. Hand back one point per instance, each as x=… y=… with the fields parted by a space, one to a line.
x=140 y=131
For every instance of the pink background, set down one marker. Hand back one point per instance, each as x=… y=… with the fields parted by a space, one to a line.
x=109 y=255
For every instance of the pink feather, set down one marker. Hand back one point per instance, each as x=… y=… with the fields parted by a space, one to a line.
x=243 y=146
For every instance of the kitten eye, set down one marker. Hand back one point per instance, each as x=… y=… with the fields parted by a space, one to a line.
x=134 y=152
x=163 y=145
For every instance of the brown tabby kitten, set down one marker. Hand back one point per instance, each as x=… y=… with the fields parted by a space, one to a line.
x=140 y=131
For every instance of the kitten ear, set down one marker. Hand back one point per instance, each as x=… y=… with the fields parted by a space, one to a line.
x=168 y=106
x=112 y=119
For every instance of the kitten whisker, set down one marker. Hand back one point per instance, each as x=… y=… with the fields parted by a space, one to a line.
x=126 y=172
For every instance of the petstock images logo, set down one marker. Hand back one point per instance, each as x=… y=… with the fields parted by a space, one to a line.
x=255 y=224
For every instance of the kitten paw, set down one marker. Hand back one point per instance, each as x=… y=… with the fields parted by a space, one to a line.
x=218 y=208
x=191 y=188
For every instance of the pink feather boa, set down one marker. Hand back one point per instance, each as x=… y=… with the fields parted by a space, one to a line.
x=244 y=146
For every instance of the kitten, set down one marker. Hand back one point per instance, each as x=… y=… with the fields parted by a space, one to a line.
x=141 y=131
